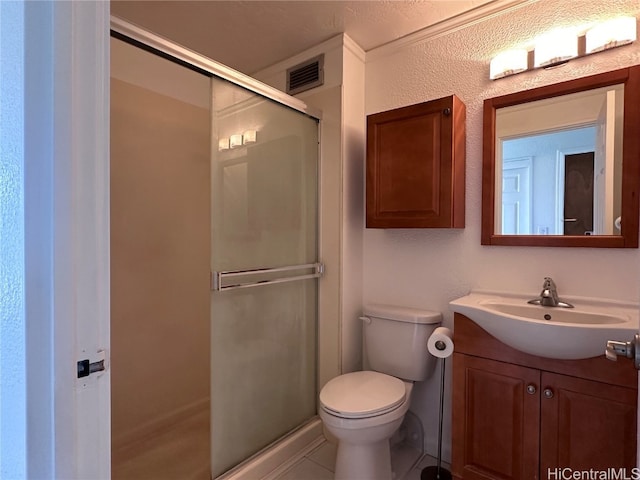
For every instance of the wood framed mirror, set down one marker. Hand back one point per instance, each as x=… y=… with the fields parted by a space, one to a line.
x=582 y=189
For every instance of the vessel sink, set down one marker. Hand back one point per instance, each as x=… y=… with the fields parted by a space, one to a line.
x=552 y=332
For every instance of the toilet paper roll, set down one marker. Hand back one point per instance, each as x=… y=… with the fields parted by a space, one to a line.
x=618 y=223
x=440 y=343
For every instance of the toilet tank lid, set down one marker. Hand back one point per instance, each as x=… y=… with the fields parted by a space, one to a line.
x=402 y=314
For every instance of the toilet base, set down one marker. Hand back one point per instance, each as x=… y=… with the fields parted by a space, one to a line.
x=363 y=443
x=371 y=461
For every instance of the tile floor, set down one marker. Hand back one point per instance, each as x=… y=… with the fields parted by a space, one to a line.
x=318 y=464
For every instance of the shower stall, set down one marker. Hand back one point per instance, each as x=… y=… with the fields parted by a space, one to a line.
x=214 y=245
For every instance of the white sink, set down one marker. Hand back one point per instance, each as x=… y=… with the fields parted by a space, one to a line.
x=553 y=332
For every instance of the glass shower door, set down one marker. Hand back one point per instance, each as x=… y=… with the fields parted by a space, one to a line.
x=264 y=232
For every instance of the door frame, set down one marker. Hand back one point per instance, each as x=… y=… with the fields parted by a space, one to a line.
x=516 y=163
x=560 y=167
x=66 y=182
x=81 y=240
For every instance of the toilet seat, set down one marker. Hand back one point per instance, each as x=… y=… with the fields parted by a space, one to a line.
x=362 y=394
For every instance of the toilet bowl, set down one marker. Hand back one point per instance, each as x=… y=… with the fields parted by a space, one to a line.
x=362 y=410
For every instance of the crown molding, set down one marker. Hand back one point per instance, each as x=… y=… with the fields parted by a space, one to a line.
x=466 y=19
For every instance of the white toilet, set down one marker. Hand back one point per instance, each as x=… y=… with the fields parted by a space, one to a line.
x=362 y=410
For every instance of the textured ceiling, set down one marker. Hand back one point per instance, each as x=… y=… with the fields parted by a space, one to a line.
x=252 y=35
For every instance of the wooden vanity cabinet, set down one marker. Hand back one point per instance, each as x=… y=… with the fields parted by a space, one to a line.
x=495 y=422
x=415 y=166
x=586 y=424
x=518 y=416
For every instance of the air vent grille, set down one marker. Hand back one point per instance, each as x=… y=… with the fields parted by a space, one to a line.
x=306 y=75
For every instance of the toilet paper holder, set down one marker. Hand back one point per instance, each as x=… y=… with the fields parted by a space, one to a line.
x=440 y=345
x=441 y=340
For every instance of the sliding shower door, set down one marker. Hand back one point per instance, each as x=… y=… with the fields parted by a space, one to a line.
x=264 y=264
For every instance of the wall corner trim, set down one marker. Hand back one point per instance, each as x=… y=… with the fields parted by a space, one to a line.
x=353 y=47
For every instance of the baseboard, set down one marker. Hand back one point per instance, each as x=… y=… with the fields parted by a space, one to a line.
x=124 y=444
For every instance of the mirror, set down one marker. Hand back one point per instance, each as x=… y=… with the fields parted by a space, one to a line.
x=561 y=164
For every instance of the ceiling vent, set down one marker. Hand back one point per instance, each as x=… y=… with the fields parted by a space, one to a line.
x=306 y=75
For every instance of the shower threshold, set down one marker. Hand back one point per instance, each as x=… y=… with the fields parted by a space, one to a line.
x=279 y=456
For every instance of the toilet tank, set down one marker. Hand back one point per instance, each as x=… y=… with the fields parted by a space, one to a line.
x=395 y=340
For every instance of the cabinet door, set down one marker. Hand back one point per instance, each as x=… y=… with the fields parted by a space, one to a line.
x=496 y=415
x=415 y=166
x=586 y=425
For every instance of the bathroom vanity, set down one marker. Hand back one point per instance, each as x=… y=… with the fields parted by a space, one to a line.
x=521 y=416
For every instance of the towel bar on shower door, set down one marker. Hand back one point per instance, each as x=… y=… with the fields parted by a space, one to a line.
x=217 y=278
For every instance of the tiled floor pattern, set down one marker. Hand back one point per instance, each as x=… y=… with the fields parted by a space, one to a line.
x=318 y=465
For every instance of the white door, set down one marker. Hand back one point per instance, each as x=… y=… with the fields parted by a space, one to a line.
x=516 y=196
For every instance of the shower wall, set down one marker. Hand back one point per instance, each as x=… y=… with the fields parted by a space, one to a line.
x=160 y=244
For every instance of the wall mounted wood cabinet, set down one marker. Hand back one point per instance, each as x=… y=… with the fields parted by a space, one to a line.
x=415 y=166
x=518 y=416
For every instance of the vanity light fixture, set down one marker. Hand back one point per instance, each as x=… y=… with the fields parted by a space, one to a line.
x=250 y=136
x=560 y=45
x=610 y=34
x=554 y=48
x=223 y=144
x=235 y=140
x=508 y=63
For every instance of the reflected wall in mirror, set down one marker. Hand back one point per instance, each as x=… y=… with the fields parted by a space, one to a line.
x=561 y=164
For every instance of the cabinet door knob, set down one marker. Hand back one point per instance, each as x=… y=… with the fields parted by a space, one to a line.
x=548 y=393
x=531 y=389
x=446 y=112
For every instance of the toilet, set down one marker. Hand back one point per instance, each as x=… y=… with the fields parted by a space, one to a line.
x=362 y=410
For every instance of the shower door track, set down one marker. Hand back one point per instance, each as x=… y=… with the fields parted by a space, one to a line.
x=200 y=62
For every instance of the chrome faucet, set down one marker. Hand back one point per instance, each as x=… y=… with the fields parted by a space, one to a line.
x=549 y=296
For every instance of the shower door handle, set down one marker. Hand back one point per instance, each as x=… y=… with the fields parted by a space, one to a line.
x=314 y=270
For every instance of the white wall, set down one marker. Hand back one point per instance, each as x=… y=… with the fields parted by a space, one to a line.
x=428 y=268
x=13 y=359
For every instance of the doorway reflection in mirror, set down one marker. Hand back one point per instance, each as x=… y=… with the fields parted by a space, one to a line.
x=561 y=165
